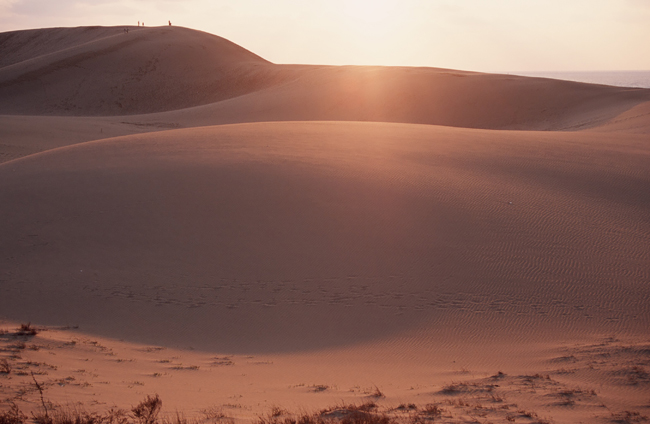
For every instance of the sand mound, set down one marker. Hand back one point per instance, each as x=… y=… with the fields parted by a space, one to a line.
x=424 y=96
x=114 y=73
x=103 y=71
x=297 y=236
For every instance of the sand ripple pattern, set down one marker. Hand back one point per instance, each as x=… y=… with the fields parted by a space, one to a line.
x=331 y=233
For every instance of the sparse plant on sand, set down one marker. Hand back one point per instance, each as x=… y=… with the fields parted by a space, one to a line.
x=5 y=368
x=43 y=418
x=277 y=412
x=13 y=416
x=26 y=330
x=116 y=416
x=214 y=415
x=146 y=412
x=377 y=393
x=432 y=410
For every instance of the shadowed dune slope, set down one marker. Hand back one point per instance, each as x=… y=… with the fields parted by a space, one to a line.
x=294 y=236
x=115 y=73
x=19 y=46
x=170 y=68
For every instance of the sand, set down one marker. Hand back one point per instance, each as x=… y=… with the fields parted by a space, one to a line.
x=258 y=235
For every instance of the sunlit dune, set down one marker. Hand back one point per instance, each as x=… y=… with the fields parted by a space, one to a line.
x=181 y=217
x=162 y=69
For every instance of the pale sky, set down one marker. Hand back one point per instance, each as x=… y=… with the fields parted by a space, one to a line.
x=480 y=35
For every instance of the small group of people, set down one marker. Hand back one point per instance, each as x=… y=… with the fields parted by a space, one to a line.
x=126 y=30
x=170 y=24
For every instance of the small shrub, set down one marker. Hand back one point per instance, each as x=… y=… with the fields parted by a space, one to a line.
x=5 y=368
x=42 y=418
x=450 y=389
x=214 y=415
x=116 y=416
x=377 y=393
x=277 y=412
x=27 y=330
x=366 y=407
x=146 y=412
x=432 y=409
x=13 y=416
x=71 y=416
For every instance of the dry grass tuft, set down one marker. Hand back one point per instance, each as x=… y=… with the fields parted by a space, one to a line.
x=13 y=416
x=432 y=410
x=26 y=330
x=146 y=412
x=377 y=393
x=5 y=368
x=629 y=417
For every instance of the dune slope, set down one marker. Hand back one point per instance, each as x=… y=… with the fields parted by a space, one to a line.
x=294 y=236
x=146 y=70
x=19 y=46
x=424 y=96
x=104 y=71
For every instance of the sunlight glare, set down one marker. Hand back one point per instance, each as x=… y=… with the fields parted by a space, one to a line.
x=369 y=12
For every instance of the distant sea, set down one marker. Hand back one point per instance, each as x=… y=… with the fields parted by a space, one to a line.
x=637 y=79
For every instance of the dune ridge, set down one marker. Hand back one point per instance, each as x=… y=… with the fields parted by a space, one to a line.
x=146 y=70
x=170 y=68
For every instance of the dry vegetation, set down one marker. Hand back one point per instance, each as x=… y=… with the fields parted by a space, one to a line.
x=148 y=411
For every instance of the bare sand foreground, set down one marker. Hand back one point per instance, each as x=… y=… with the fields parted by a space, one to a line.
x=181 y=217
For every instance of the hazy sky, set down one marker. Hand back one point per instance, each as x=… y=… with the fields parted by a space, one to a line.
x=482 y=35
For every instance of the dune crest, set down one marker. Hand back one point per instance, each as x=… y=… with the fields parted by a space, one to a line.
x=142 y=71
x=170 y=68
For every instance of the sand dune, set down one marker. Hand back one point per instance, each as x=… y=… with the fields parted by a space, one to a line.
x=162 y=69
x=284 y=261
x=306 y=235
x=19 y=46
x=424 y=96
x=146 y=70
x=25 y=135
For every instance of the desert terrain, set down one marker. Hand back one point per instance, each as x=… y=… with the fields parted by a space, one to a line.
x=253 y=241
